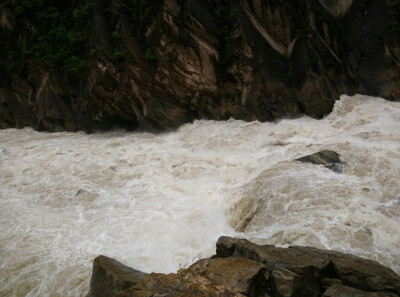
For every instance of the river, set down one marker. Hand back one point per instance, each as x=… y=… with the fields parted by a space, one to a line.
x=160 y=202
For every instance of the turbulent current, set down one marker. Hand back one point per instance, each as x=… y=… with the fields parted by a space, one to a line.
x=159 y=202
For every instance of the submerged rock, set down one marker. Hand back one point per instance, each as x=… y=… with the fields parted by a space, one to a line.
x=329 y=159
x=242 y=268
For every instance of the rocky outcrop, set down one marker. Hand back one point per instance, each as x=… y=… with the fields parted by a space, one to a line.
x=207 y=277
x=328 y=159
x=315 y=269
x=110 y=277
x=343 y=291
x=158 y=64
x=242 y=268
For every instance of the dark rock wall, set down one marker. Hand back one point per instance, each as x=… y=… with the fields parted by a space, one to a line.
x=159 y=64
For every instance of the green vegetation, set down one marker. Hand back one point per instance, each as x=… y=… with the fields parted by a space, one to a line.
x=116 y=36
x=150 y=58
x=60 y=35
x=78 y=67
x=227 y=15
x=225 y=31
x=82 y=13
x=290 y=73
x=139 y=10
x=132 y=6
x=53 y=35
x=119 y=54
x=140 y=17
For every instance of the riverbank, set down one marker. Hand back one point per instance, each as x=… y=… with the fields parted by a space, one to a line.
x=241 y=268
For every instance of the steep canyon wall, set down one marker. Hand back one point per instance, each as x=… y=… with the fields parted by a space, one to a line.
x=96 y=64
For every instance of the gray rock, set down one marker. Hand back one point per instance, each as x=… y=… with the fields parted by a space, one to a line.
x=327 y=158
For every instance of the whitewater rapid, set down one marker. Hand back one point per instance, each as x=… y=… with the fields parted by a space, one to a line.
x=159 y=202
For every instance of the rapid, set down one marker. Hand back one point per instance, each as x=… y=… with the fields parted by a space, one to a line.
x=160 y=202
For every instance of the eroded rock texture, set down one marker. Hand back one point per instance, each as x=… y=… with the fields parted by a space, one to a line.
x=158 y=64
x=242 y=268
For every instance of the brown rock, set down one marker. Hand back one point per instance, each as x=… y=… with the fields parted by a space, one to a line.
x=312 y=265
x=343 y=291
x=110 y=277
x=235 y=274
x=208 y=277
x=328 y=282
x=242 y=268
x=283 y=281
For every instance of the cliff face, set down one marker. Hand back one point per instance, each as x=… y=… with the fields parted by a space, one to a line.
x=134 y=64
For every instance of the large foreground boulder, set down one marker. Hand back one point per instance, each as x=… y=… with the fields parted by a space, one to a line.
x=207 y=277
x=241 y=268
x=343 y=291
x=313 y=269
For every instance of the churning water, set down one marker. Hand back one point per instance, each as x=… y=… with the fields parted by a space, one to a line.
x=159 y=202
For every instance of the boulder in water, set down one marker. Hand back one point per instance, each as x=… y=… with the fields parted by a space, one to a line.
x=327 y=158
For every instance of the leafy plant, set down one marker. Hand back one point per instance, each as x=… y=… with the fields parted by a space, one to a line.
x=56 y=36
x=82 y=12
x=79 y=68
x=116 y=36
x=119 y=54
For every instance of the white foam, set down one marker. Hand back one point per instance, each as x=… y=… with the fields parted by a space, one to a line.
x=158 y=203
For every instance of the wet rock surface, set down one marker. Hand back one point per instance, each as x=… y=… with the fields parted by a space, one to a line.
x=110 y=277
x=343 y=291
x=187 y=60
x=328 y=159
x=242 y=268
